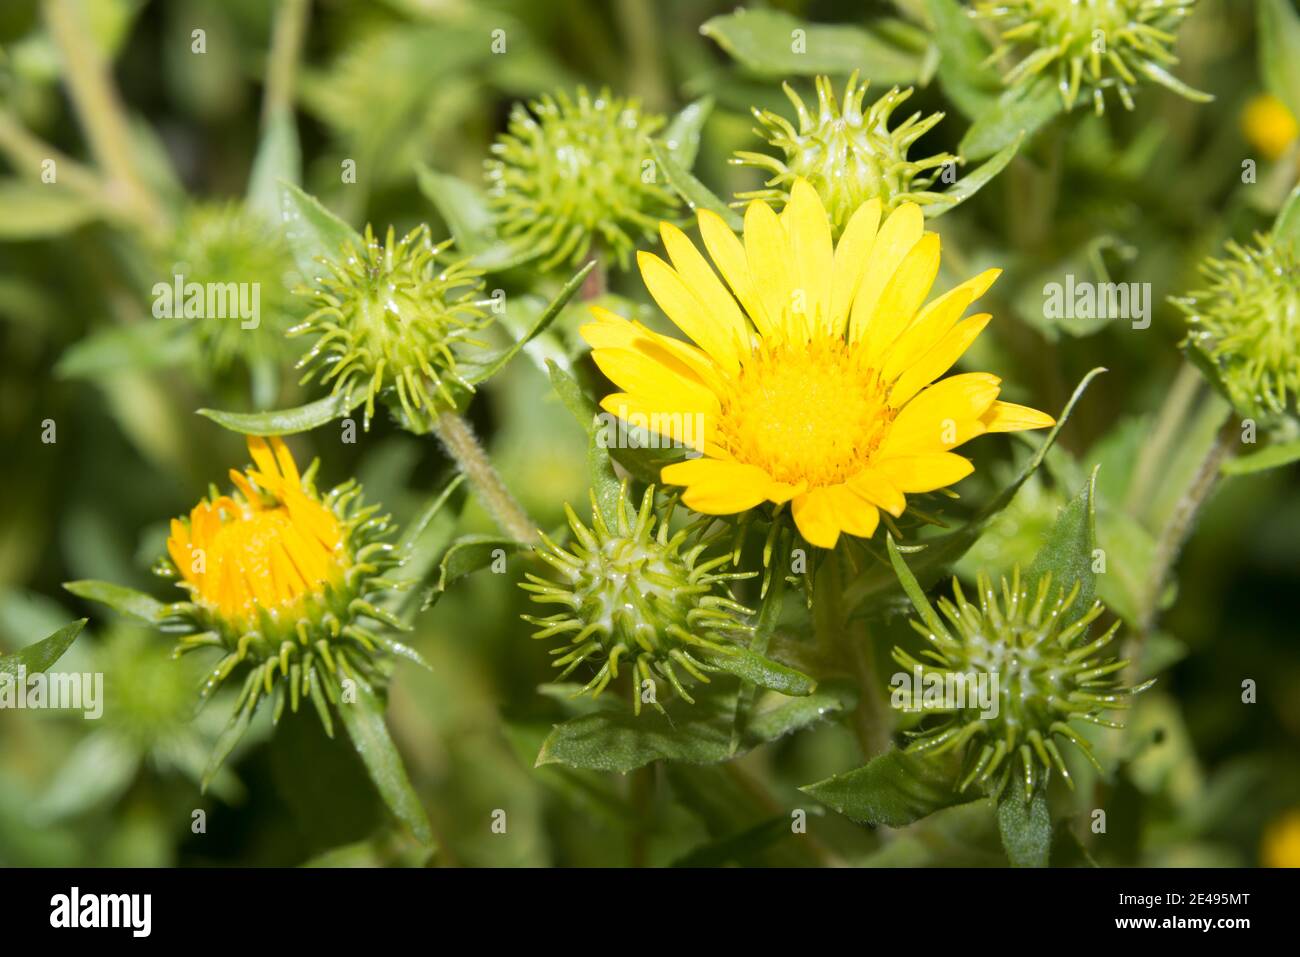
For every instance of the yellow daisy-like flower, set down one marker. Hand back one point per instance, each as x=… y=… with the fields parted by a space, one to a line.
x=810 y=378
x=263 y=551
x=1269 y=125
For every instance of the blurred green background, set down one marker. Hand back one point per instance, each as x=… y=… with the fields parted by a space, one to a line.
x=390 y=84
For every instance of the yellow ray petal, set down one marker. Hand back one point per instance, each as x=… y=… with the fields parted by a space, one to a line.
x=938 y=360
x=901 y=231
x=728 y=254
x=1009 y=417
x=878 y=490
x=768 y=255
x=851 y=257
x=855 y=514
x=288 y=467
x=612 y=331
x=688 y=313
x=942 y=416
x=814 y=514
x=263 y=457
x=689 y=428
x=811 y=251
x=925 y=473
x=636 y=372
x=718 y=487
x=902 y=297
x=696 y=272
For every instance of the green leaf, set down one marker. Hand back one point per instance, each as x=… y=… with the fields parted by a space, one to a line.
x=149 y=344
x=931 y=559
x=696 y=194
x=605 y=483
x=470 y=553
x=278 y=160
x=95 y=774
x=773 y=43
x=34 y=210
x=465 y=210
x=303 y=418
x=739 y=848
x=364 y=720
x=682 y=138
x=1020 y=111
x=1026 y=828
x=694 y=734
x=762 y=671
x=312 y=230
x=37 y=657
x=913 y=590
x=1279 y=50
x=1271 y=457
x=571 y=394
x=126 y=601
x=1067 y=553
x=1286 y=229
x=498 y=362
x=893 y=790
x=972 y=183
x=964 y=73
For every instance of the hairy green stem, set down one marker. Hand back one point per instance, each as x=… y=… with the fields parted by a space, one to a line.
x=100 y=111
x=834 y=640
x=473 y=460
x=282 y=62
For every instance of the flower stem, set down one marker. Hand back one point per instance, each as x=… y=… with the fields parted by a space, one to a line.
x=26 y=152
x=1178 y=401
x=282 y=61
x=90 y=86
x=473 y=460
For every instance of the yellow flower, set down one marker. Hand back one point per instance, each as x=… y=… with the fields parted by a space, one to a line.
x=1269 y=125
x=810 y=380
x=1281 y=844
x=266 y=549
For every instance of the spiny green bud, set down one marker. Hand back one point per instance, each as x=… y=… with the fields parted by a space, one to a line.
x=1039 y=672
x=1090 y=46
x=848 y=155
x=639 y=598
x=387 y=320
x=1247 y=322
x=571 y=172
x=215 y=246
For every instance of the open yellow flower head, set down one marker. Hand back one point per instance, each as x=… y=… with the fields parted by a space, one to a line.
x=285 y=580
x=1269 y=125
x=811 y=372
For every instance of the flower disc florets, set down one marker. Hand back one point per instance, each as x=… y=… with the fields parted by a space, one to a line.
x=1090 y=46
x=637 y=597
x=388 y=319
x=848 y=154
x=1247 y=321
x=283 y=579
x=570 y=171
x=1039 y=673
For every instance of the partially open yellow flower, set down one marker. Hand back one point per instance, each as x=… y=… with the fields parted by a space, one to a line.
x=810 y=380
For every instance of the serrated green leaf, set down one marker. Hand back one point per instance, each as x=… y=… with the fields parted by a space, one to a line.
x=312 y=230
x=1020 y=111
x=37 y=657
x=762 y=671
x=696 y=194
x=893 y=790
x=773 y=43
x=1025 y=827
x=121 y=599
x=1067 y=553
x=364 y=720
x=302 y=418
x=1279 y=50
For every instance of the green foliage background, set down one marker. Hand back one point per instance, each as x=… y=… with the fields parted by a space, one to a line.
x=399 y=84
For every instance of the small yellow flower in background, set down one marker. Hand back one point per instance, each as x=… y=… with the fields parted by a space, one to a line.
x=1268 y=125
x=1281 y=844
x=812 y=375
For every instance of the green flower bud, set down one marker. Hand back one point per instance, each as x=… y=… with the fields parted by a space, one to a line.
x=636 y=597
x=571 y=172
x=1090 y=46
x=1247 y=322
x=1047 y=675
x=387 y=321
x=848 y=155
